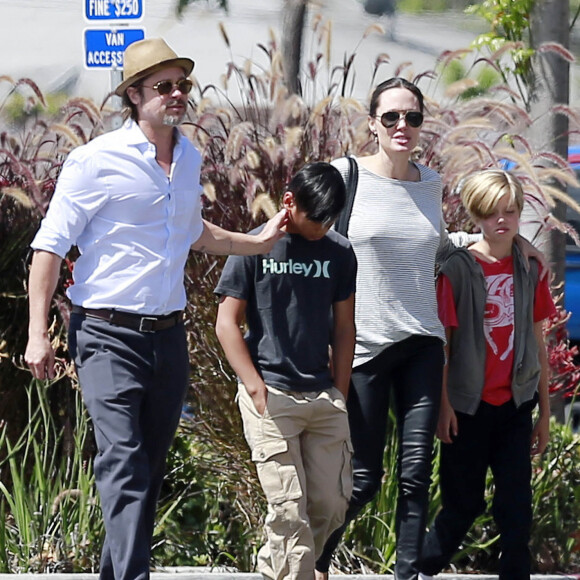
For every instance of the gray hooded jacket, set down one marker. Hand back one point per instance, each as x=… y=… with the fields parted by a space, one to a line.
x=468 y=348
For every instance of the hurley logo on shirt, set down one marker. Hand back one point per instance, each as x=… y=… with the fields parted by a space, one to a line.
x=316 y=269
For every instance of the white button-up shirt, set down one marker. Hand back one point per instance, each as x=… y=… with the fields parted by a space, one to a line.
x=133 y=224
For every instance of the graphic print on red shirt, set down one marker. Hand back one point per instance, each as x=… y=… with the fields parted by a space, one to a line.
x=498 y=327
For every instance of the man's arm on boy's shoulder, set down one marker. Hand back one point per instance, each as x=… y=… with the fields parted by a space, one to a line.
x=231 y=313
x=343 y=339
x=216 y=240
x=541 y=432
x=447 y=423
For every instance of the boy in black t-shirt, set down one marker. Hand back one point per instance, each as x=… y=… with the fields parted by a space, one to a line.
x=297 y=301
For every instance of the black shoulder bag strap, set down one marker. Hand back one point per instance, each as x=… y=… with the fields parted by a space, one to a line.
x=343 y=219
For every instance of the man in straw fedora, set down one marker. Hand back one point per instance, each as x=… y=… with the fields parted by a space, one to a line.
x=130 y=201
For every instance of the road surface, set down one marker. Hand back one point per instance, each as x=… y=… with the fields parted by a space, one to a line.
x=43 y=40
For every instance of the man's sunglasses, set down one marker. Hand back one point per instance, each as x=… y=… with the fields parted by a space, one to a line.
x=391 y=118
x=166 y=87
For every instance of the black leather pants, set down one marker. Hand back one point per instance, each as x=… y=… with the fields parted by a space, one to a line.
x=412 y=370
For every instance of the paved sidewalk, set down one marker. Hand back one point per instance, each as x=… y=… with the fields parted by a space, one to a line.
x=208 y=574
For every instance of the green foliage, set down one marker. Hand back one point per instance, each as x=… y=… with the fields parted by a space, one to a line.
x=418 y=6
x=556 y=503
x=510 y=33
x=51 y=516
x=453 y=72
x=487 y=78
x=19 y=108
x=460 y=80
x=509 y=19
x=211 y=506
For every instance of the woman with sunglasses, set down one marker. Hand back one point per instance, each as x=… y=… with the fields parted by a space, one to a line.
x=396 y=230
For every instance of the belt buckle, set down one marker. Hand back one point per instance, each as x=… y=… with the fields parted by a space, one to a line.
x=146 y=323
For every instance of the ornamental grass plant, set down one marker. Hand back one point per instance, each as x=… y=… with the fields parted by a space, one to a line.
x=51 y=520
x=253 y=136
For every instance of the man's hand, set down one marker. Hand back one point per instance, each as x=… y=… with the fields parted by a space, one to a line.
x=216 y=240
x=39 y=357
x=272 y=231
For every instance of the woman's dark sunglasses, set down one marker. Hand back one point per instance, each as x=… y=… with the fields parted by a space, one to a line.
x=391 y=118
x=166 y=87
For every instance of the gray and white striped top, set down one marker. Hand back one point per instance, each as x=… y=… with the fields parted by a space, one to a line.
x=396 y=230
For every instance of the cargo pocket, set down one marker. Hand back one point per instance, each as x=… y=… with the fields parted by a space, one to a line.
x=276 y=471
x=346 y=473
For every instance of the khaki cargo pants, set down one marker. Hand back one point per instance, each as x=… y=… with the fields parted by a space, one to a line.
x=302 y=450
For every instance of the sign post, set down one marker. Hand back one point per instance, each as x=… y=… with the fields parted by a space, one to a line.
x=105 y=47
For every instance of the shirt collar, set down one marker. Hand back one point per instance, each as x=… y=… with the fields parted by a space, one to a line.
x=135 y=136
x=133 y=133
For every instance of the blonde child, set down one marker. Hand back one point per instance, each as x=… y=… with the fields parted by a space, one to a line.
x=492 y=305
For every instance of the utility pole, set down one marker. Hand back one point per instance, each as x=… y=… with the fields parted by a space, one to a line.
x=551 y=86
x=550 y=24
x=293 y=19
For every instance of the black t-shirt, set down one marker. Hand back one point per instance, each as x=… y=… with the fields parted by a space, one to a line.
x=289 y=294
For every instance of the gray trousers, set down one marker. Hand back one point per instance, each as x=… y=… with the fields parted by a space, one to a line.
x=133 y=385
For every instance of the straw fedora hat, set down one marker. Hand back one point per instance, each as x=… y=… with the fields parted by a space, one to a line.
x=145 y=57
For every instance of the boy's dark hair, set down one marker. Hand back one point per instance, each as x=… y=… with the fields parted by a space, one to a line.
x=319 y=191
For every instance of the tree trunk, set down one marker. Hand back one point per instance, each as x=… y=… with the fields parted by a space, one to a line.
x=550 y=23
x=293 y=18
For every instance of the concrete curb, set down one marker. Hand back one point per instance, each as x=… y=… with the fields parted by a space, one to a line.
x=224 y=573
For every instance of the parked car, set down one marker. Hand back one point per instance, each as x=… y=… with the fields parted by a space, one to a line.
x=380 y=7
x=572 y=282
x=572 y=277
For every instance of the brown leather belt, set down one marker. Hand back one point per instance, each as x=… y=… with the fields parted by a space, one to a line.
x=131 y=320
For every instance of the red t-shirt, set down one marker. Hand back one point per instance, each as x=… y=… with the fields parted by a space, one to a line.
x=498 y=323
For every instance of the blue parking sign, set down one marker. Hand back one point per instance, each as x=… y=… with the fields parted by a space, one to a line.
x=104 y=49
x=113 y=9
